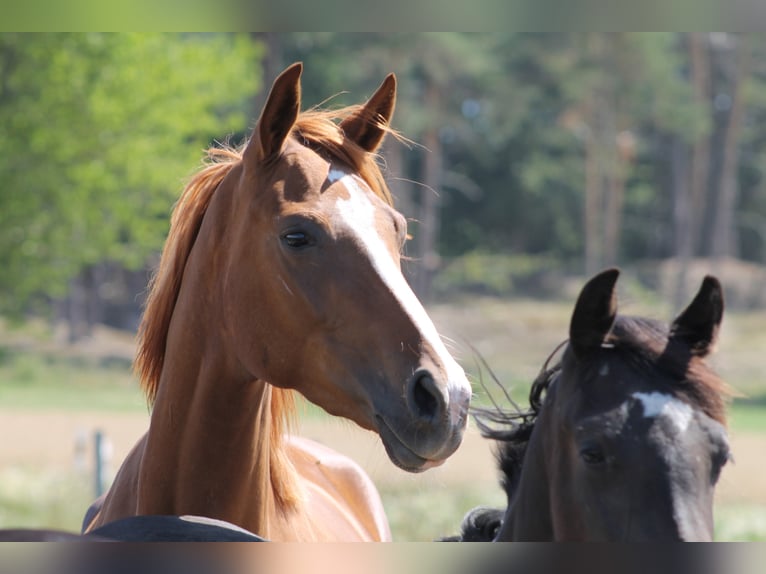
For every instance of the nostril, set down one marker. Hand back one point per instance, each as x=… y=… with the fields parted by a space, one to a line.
x=425 y=398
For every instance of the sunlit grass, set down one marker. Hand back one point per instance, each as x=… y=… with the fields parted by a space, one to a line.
x=423 y=515
x=37 y=381
x=740 y=522
x=31 y=498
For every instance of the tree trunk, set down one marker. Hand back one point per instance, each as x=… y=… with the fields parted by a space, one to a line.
x=395 y=170
x=76 y=309
x=699 y=171
x=402 y=191
x=95 y=277
x=620 y=153
x=592 y=207
x=724 y=224
x=613 y=214
x=682 y=219
x=430 y=205
x=272 y=65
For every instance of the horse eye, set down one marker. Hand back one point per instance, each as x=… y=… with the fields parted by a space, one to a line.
x=592 y=455
x=296 y=239
x=719 y=461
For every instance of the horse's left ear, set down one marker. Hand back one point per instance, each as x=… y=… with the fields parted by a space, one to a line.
x=697 y=326
x=594 y=313
x=278 y=116
x=368 y=125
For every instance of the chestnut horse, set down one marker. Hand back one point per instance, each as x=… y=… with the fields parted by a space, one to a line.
x=625 y=438
x=281 y=273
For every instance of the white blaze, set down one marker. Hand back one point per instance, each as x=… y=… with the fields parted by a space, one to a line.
x=358 y=213
x=687 y=514
x=658 y=404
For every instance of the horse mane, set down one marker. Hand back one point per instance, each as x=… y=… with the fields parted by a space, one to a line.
x=165 y=284
x=516 y=425
x=642 y=343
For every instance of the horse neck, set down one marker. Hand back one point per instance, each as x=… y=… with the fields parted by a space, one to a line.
x=214 y=446
x=529 y=516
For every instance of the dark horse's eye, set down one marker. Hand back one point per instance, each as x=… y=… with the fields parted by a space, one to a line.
x=296 y=239
x=592 y=455
x=720 y=458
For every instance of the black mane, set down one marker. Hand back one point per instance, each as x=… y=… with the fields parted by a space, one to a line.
x=516 y=425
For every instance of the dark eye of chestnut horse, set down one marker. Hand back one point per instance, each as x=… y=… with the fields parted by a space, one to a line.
x=297 y=239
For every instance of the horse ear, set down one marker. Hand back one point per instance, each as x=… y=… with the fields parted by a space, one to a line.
x=278 y=115
x=367 y=126
x=697 y=326
x=594 y=312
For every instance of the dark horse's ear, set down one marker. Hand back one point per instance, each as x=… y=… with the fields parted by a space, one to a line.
x=278 y=116
x=367 y=126
x=697 y=326
x=594 y=313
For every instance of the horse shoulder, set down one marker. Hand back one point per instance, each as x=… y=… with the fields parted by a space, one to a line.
x=344 y=481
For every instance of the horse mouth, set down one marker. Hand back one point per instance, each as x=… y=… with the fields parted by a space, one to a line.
x=399 y=453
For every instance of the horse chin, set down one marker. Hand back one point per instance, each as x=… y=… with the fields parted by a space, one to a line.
x=400 y=454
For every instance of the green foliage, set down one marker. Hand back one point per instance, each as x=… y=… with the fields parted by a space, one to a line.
x=100 y=130
x=665 y=95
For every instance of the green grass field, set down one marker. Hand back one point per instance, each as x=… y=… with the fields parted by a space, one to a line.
x=33 y=381
x=514 y=337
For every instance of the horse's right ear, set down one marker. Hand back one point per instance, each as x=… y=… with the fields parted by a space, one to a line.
x=594 y=313
x=697 y=326
x=368 y=126
x=278 y=116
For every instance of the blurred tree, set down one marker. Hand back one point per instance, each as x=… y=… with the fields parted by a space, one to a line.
x=99 y=132
x=580 y=150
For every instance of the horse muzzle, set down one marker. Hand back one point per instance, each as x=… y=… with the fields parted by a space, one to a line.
x=433 y=427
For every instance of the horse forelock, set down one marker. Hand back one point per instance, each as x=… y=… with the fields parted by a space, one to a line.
x=319 y=129
x=645 y=345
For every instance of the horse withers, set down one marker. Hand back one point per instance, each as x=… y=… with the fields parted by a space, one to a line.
x=281 y=273
x=625 y=438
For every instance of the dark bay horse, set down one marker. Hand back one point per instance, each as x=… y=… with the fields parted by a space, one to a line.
x=625 y=437
x=281 y=273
